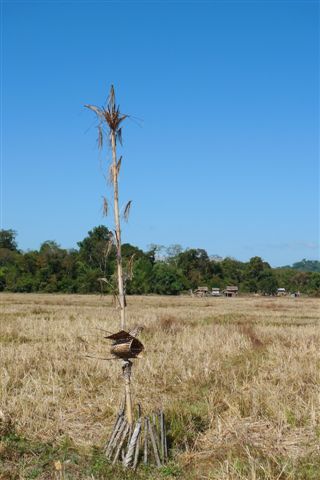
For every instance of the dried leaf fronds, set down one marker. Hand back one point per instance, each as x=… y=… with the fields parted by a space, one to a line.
x=110 y=179
x=110 y=115
x=109 y=246
x=98 y=111
x=103 y=279
x=111 y=98
x=130 y=267
x=126 y=212
x=114 y=168
x=115 y=300
x=105 y=207
x=100 y=137
x=119 y=164
x=119 y=135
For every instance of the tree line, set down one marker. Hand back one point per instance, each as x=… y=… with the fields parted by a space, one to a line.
x=91 y=268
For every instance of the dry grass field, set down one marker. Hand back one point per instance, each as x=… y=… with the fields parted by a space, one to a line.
x=237 y=378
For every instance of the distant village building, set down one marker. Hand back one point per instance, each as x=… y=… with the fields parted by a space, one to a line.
x=201 y=291
x=231 y=291
x=281 y=292
x=216 y=292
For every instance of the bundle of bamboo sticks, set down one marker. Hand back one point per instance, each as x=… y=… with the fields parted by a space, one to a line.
x=146 y=440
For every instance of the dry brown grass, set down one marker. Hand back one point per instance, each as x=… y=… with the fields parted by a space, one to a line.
x=238 y=378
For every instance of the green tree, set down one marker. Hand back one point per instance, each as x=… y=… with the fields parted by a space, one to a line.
x=97 y=251
x=173 y=252
x=307 y=265
x=137 y=268
x=128 y=251
x=167 y=280
x=141 y=282
x=9 y=261
x=27 y=265
x=50 y=261
x=314 y=284
x=267 y=282
x=8 y=239
x=232 y=271
x=3 y=272
x=254 y=272
x=195 y=265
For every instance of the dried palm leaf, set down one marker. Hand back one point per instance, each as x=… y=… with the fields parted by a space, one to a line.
x=109 y=247
x=130 y=267
x=126 y=212
x=113 y=119
x=111 y=98
x=116 y=300
x=105 y=207
x=98 y=111
x=119 y=135
x=119 y=164
x=105 y=280
x=100 y=137
x=110 y=179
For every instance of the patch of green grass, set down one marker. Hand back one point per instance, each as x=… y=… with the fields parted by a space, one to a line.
x=307 y=469
x=229 y=319
x=291 y=418
x=31 y=459
x=28 y=459
x=34 y=473
x=171 y=470
x=189 y=417
x=9 y=338
x=261 y=467
x=186 y=420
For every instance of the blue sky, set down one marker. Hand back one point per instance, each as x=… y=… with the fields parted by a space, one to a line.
x=224 y=155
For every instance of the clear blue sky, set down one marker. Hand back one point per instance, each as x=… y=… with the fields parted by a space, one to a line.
x=226 y=155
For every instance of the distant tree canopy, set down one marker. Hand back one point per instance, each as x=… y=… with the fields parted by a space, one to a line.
x=158 y=270
x=8 y=240
x=306 y=266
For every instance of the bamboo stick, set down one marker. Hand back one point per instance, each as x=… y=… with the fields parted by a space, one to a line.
x=165 y=438
x=114 y=432
x=126 y=369
x=132 y=445
x=145 y=454
x=154 y=444
x=136 y=453
x=116 y=438
x=123 y=437
x=156 y=430
x=162 y=440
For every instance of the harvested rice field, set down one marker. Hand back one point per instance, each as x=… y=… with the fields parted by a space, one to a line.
x=238 y=379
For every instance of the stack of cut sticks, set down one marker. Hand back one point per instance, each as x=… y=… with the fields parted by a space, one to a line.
x=146 y=440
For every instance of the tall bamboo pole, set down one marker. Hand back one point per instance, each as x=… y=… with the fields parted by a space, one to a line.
x=111 y=117
x=126 y=367
x=118 y=231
